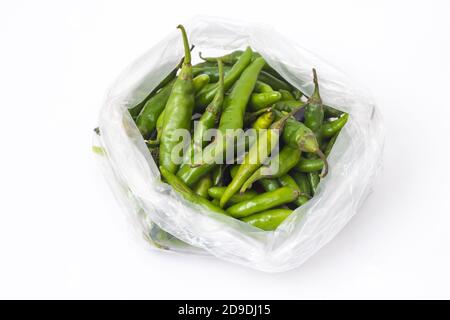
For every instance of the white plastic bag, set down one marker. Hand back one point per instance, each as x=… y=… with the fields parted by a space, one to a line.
x=153 y=205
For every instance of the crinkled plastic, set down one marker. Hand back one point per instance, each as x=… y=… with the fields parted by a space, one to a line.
x=170 y=222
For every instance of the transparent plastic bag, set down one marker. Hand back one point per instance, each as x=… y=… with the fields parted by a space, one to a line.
x=170 y=222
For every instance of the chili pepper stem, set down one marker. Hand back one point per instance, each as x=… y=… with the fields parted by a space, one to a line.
x=316 y=93
x=325 y=163
x=200 y=55
x=187 y=51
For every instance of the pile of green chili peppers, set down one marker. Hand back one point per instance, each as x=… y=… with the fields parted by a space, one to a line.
x=239 y=91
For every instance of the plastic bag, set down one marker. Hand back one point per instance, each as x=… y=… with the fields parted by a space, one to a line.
x=170 y=222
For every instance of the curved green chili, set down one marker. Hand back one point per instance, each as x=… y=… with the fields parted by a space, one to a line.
x=278 y=166
x=212 y=72
x=262 y=100
x=329 y=129
x=263 y=121
x=147 y=118
x=205 y=96
x=263 y=202
x=178 y=111
x=268 y=220
x=217 y=192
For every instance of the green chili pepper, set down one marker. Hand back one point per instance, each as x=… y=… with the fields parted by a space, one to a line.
x=309 y=165
x=268 y=220
x=230 y=58
x=297 y=135
x=264 y=121
x=278 y=166
x=252 y=160
x=269 y=184
x=187 y=193
x=288 y=181
x=314 y=179
x=212 y=72
x=262 y=87
x=146 y=120
x=159 y=128
x=205 y=96
x=232 y=118
x=286 y=95
x=200 y=81
x=274 y=82
x=263 y=202
x=314 y=112
x=262 y=100
x=217 y=192
x=236 y=102
x=207 y=121
x=202 y=186
x=302 y=182
x=331 y=128
x=178 y=111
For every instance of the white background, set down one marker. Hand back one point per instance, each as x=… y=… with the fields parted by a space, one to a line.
x=62 y=234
